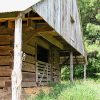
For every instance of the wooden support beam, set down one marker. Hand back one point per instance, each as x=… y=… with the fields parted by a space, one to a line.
x=51 y=32
x=8 y=15
x=24 y=19
x=71 y=67
x=52 y=40
x=16 y=73
x=84 y=72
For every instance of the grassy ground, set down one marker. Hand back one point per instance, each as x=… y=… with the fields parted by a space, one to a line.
x=89 y=90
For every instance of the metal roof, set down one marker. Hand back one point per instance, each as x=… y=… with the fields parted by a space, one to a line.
x=16 y=5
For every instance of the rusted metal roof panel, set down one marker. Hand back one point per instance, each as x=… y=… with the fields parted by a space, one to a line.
x=16 y=5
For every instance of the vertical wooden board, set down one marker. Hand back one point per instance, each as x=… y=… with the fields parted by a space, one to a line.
x=50 y=11
x=63 y=17
x=45 y=9
x=65 y=20
x=75 y=30
x=74 y=9
x=79 y=32
x=17 y=67
x=69 y=21
x=41 y=10
x=57 y=15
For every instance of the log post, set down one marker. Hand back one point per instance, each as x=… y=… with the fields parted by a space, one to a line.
x=84 y=72
x=71 y=67
x=17 y=67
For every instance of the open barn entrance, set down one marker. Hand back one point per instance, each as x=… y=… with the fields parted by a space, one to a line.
x=42 y=54
x=43 y=68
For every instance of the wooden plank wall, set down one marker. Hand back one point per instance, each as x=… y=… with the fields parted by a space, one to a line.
x=6 y=59
x=6 y=56
x=59 y=15
x=29 y=61
x=28 y=71
x=55 y=60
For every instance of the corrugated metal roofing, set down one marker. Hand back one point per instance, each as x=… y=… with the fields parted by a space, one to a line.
x=16 y=5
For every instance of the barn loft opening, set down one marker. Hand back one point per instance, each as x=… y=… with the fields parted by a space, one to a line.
x=42 y=54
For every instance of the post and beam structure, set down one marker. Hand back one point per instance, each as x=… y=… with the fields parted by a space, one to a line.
x=17 y=67
x=71 y=67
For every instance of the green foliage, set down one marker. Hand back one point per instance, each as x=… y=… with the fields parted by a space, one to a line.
x=90 y=16
x=89 y=90
x=93 y=30
x=98 y=17
x=65 y=73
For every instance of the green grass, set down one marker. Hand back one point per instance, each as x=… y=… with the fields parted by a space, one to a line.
x=89 y=90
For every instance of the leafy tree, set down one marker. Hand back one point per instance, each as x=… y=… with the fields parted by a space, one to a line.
x=90 y=17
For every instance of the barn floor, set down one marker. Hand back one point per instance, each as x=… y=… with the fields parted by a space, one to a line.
x=27 y=93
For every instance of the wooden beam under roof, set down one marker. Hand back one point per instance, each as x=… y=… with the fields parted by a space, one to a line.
x=52 y=40
x=8 y=15
x=51 y=32
x=13 y=19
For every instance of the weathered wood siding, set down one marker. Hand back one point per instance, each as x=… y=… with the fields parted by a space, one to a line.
x=55 y=60
x=6 y=56
x=29 y=65
x=59 y=13
x=6 y=59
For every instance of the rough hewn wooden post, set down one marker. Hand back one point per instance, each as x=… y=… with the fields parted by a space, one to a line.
x=16 y=73
x=84 y=72
x=71 y=67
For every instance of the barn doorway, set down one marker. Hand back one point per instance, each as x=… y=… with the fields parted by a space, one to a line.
x=42 y=54
x=43 y=68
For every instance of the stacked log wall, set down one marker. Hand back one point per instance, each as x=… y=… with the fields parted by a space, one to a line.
x=6 y=56
x=29 y=67
x=29 y=60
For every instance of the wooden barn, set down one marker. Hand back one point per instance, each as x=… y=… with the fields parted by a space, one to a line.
x=36 y=38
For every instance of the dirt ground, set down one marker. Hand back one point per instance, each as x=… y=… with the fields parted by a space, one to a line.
x=26 y=92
